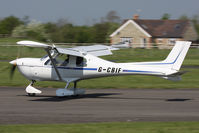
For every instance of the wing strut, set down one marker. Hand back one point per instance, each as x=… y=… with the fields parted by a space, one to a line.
x=53 y=63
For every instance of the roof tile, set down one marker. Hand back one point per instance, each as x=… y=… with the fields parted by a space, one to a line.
x=163 y=28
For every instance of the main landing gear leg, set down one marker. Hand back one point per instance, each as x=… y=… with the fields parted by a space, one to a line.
x=77 y=91
x=70 y=92
x=31 y=91
x=75 y=87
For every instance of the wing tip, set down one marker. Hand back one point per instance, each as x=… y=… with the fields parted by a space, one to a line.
x=32 y=44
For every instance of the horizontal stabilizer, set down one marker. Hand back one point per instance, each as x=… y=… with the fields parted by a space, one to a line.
x=172 y=78
x=175 y=76
x=179 y=73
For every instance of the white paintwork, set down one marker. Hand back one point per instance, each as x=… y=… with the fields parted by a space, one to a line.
x=93 y=67
x=13 y=62
x=96 y=50
x=31 y=90
x=33 y=44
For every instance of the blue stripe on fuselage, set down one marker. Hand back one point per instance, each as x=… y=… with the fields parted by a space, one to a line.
x=78 y=68
x=139 y=71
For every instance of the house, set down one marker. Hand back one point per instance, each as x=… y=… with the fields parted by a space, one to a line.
x=146 y=33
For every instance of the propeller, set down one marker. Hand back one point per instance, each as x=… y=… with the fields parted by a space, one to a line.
x=14 y=65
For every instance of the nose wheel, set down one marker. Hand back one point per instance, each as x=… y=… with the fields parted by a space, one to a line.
x=31 y=94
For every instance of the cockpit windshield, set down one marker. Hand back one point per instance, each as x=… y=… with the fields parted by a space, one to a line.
x=44 y=57
x=53 y=54
x=60 y=60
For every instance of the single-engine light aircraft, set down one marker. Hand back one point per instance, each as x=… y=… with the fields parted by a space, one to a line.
x=83 y=62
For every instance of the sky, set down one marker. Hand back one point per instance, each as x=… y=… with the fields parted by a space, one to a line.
x=87 y=12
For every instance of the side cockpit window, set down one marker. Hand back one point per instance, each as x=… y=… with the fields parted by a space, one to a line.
x=61 y=60
x=80 y=62
x=67 y=60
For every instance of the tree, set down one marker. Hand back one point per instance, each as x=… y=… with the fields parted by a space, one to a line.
x=195 y=21
x=83 y=34
x=100 y=32
x=183 y=17
x=50 y=27
x=26 y=20
x=113 y=17
x=62 y=22
x=166 y=16
x=33 y=30
x=111 y=29
x=8 y=24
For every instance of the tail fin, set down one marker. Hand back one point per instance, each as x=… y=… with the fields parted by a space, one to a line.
x=177 y=54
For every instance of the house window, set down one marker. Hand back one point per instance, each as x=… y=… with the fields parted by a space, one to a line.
x=172 y=41
x=126 y=39
x=159 y=41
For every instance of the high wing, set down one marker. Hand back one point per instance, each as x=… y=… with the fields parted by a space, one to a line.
x=96 y=50
x=33 y=44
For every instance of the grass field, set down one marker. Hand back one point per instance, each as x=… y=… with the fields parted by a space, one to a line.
x=9 y=40
x=117 y=127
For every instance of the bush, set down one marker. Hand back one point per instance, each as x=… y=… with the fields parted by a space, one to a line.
x=34 y=30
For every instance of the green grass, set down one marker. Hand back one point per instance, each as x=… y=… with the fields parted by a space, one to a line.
x=10 y=53
x=139 y=55
x=12 y=40
x=116 y=127
x=9 y=40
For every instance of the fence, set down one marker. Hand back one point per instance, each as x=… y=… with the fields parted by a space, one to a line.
x=159 y=45
x=137 y=45
x=4 y=35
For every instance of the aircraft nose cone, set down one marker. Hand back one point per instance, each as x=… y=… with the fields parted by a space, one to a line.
x=13 y=62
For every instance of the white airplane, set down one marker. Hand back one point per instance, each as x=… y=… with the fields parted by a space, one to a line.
x=80 y=63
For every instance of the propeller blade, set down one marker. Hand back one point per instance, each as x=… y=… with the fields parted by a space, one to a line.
x=14 y=65
x=12 y=71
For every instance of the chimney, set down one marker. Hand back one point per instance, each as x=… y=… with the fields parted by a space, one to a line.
x=135 y=16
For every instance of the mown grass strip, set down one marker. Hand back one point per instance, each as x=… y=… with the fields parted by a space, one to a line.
x=115 y=127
